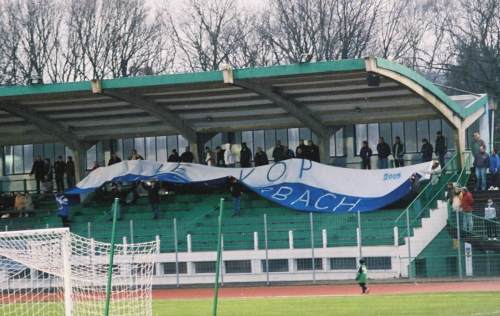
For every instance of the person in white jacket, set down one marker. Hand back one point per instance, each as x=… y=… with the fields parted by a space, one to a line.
x=229 y=157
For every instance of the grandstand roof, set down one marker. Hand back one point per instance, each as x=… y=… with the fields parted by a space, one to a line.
x=318 y=95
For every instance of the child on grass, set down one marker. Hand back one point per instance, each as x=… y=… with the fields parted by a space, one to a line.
x=361 y=276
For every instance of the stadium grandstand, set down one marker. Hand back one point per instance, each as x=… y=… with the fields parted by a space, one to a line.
x=335 y=104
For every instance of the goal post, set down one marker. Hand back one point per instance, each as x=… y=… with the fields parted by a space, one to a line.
x=55 y=272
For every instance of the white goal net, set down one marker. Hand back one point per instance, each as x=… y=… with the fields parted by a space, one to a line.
x=54 y=272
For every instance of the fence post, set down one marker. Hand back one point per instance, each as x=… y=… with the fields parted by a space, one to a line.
x=131 y=225
x=266 y=249
x=89 y=229
x=311 y=224
x=396 y=236
x=221 y=260
x=176 y=249
x=459 y=247
x=358 y=236
x=408 y=235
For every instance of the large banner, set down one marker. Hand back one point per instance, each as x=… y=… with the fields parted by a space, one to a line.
x=295 y=183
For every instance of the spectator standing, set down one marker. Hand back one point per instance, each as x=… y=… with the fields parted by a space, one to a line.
x=426 y=150
x=260 y=158
x=481 y=163
x=70 y=172
x=398 y=151
x=245 y=156
x=20 y=204
x=494 y=170
x=229 y=156
x=467 y=204
x=490 y=215
x=38 y=169
x=365 y=154
x=59 y=170
x=47 y=176
x=278 y=152
x=209 y=157
x=362 y=276
x=289 y=154
x=174 y=156
x=187 y=155
x=441 y=147
x=477 y=143
x=114 y=159
x=153 y=188
x=219 y=157
x=135 y=155
x=313 y=150
x=236 y=190
x=383 y=151
x=300 y=151
x=457 y=199
x=450 y=193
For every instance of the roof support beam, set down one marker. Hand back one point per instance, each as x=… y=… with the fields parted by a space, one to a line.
x=47 y=126
x=153 y=109
x=288 y=105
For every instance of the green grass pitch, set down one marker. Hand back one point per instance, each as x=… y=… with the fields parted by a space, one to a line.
x=442 y=304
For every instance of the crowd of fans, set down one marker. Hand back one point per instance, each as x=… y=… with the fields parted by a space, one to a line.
x=398 y=151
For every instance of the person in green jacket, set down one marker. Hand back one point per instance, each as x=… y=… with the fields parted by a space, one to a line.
x=362 y=276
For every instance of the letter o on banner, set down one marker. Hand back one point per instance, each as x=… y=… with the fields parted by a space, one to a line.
x=272 y=176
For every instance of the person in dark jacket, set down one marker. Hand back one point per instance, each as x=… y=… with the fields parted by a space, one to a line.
x=245 y=156
x=313 y=150
x=70 y=172
x=219 y=157
x=289 y=154
x=300 y=151
x=174 y=156
x=187 y=156
x=38 y=170
x=481 y=164
x=365 y=154
x=441 y=147
x=59 y=170
x=236 y=190
x=260 y=158
x=153 y=188
x=383 y=151
x=114 y=159
x=278 y=152
x=135 y=155
x=398 y=151
x=426 y=150
x=47 y=176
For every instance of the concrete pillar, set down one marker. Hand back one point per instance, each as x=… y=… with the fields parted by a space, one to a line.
x=80 y=157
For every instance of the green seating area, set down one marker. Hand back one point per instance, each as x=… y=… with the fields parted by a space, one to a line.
x=196 y=214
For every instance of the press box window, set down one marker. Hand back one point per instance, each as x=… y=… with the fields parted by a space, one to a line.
x=306 y=264
x=169 y=268
x=238 y=266
x=276 y=265
x=204 y=267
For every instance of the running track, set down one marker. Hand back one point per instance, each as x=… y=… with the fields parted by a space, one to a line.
x=328 y=290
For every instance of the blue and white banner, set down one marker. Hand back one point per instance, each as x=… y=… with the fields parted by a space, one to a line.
x=295 y=183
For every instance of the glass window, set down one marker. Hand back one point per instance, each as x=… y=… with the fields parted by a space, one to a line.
x=183 y=143
x=361 y=133
x=247 y=137
x=306 y=264
x=378 y=263
x=28 y=158
x=449 y=133
x=69 y=152
x=18 y=159
x=304 y=133
x=100 y=154
x=372 y=136
x=293 y=138
x=315 y=138
x=38 y=150
x=169 y=268
x=171 y=143
x=411 y=136
x=216 y=141
x=434 y=127
x=343 y=263
x=119 y=148
x=385 y=132
x=139 y=146
x=161 y=148
x=128 y=145
x=9 y=160
x=332 y=146
x=91 y=157
x=258 y=140
x=150 y=148
x=204 y=267
x=423 y=132
x=59 y=150
x=48 y=151
x=275 y=265
x=282 y=134
x=397 y=130
x=270 y=138
x=339 y=143
x=238 y=266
